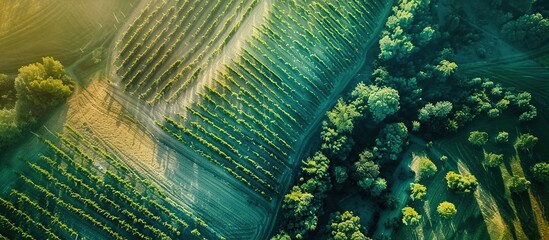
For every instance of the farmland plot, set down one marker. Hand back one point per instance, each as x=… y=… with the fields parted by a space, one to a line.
x=237 y=85
x=77 y=188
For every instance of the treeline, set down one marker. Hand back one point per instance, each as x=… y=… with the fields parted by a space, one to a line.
x=416 y=86
x=37 y=88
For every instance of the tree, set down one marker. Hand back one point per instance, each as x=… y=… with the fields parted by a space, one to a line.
x=383 y=103
x=526 y=142
x=426 y=168
x=380 y=184
x=417 y=191
x=478 y=138
x=461 y=183
x=446 y=209
x=281 y=236
x=390 y=141
x=7 y=92
x=493 y=159
x=300 y=211
x=502 y=137
x=410 y=216
x=342 y=116
x=346 y=226
x=365 y=167
x=530 y=30
x=9 y=130
x=541 y=172
x=446 y=68
x=315 y=170
x=518 y=184
x=340 y=174
x=438 y=111
x=41 y=86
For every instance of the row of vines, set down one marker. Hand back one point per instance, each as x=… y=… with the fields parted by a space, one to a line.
x=78 y=189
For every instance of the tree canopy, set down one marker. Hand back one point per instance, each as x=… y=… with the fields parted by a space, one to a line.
x=346 y=226
x=383 y=103
x=390 y=141
x=493 y=159
x=426 y=168
x=417 y=191
x=410 y=216
x=526 y=142
x=478 y=138
x=446 y=209
x=518 y=184
x=461 y=183
x=541 y=172
x=529 y=31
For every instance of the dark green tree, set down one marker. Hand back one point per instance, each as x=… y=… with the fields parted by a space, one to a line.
x=493 y=159
x=478 y=138
x=541 y=172
x=529 y=31
x=526 y=142
x=390 y=141
x=518 y=184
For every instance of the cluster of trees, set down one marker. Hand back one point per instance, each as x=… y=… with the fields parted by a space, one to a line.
x=529 y=30
x=304 y=202
x=404 y=31
x=346 y=226
x=37 y=88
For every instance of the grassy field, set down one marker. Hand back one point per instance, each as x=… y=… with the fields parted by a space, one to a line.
x=31 y=29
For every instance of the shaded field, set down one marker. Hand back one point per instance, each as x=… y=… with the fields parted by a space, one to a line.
x=31 y=29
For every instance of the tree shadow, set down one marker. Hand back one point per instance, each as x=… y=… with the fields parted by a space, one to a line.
x=526 y=215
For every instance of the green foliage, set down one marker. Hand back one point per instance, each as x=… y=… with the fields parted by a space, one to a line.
x=502 y=137
x=415 y=126
x=529 y=31
x=518 y=184
x=9 y=130
x=478 y=138
x=443 y=158
x=346 y=226
x=342 y=116
x=526 y=142
x=300 y=209
x=417 y=191
x=446 y=68
x=7 y=92
x=383 y=103
x=427 y=168
x=410 y=216
x=493 y=159
x=41 y=86
x=380 y=184
x=315 y=170
x=395 y=45
x=446 y=209
x=390 y=141
x=365 y=169
x=438 y=111
x=335 y=144
x=541 y=172
x=281 y=236
x=461 y=183
x=340 y=174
